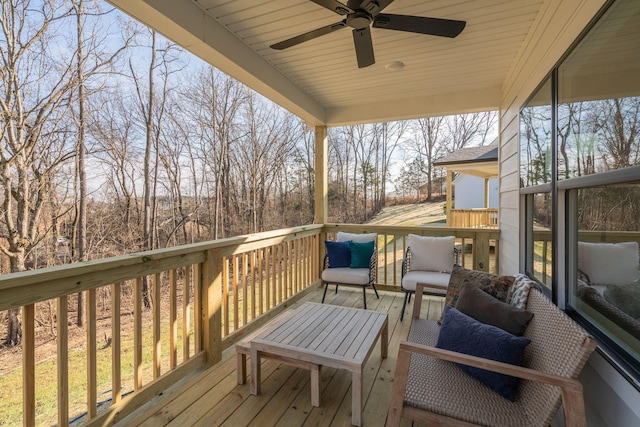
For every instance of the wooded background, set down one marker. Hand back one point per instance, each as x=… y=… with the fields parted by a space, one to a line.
x=115 y=140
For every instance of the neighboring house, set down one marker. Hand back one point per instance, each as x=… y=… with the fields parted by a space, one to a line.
x=475 y=186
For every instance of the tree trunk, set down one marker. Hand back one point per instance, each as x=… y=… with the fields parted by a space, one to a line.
x=81 y=153
x=14 y=333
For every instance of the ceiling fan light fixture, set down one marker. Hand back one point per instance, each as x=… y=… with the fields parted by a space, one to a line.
x=395 y=66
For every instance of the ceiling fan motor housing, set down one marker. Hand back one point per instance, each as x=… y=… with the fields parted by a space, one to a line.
x=359 y=20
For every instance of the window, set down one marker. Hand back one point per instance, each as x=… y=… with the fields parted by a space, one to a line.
x=535 y=138
x=580 y=149
x=607 y=290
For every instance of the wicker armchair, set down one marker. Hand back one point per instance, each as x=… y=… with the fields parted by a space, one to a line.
x=428 y=388
x=436 y=281
x=362 y=277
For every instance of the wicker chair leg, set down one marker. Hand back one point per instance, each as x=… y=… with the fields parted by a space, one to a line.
x=364 y=296
x=375 y=290
x=324 y=294
x=404 y=304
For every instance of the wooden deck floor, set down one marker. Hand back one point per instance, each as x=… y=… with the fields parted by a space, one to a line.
x=212 y=397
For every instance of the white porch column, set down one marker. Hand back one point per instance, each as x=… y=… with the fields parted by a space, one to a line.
x=486 y=193
x=321 y=176
x=449 y=202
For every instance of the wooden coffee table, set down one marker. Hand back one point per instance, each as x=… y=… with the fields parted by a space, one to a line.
x=323 y=335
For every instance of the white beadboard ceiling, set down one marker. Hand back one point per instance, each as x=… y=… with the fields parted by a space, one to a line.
x=319 y=80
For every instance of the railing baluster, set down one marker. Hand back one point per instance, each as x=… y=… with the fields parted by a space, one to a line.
x=252 y=281
x=225 y=294
x=137 y=334
x=186 y=313
x=116 y=374
x=295 y=260
x=234 y=273
x=395 y=258
x=261 y=280
x=157 y=350
x=197 y=306
x=28 y=366
x=92 y=390
x=63 y=361
x=277 y=270
x=245 y=293
x=173 y=319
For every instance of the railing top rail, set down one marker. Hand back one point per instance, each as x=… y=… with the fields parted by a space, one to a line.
x=459 y=232
x=27 y=287
x=31 y=286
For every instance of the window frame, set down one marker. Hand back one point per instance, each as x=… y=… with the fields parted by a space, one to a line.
x=563 y=225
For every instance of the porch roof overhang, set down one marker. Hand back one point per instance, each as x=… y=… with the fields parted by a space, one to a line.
x=319 y=80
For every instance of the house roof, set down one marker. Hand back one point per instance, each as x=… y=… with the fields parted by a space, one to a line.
x=319 y=80
x=483 y=154
x=478 y=161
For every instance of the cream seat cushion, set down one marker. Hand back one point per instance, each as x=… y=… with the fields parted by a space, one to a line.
x=346 y=275
x=434 y=279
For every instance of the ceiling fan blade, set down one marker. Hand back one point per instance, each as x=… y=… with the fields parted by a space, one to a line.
x=364 y=47
x=308 y=36
x=419 y=24
x=334 y=6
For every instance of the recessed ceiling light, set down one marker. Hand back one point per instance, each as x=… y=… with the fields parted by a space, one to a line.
x=395 y=66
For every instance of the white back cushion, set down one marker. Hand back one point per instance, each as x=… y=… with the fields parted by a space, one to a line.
x=354 y=237
x=431 y=253
x=609 y=263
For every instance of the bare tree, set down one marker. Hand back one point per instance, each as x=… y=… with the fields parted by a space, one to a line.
x=32 y=122
x=429 y=138
x=465 y=128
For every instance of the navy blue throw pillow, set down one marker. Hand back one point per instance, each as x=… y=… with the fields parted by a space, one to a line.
x=339 y=253
x=463 y=334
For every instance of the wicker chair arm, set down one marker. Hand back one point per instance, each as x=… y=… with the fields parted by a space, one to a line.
x=373 y=265
x=492 y=365
x=571 y=389
x=406 y=262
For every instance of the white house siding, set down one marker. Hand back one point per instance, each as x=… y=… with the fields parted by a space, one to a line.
x=557 y=27
x=469 y=192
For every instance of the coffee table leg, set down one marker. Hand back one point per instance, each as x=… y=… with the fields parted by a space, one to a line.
x=241 y=367
x=315 y=386
x=255 y=372
x=356 y=398
x=384 y=345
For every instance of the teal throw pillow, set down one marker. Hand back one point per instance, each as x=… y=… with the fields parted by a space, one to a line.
x=361 y=254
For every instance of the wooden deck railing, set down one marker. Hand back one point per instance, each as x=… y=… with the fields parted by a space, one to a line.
x=200 y=299
x=474 y=218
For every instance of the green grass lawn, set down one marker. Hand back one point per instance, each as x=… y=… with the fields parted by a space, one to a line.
x=46 y=376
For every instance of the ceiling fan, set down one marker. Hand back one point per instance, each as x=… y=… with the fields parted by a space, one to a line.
x=360 y=14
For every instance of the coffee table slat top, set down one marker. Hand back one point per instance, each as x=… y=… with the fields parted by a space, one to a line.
x=325 y=334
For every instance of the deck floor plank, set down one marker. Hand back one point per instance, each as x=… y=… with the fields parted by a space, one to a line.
x=212 y=397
